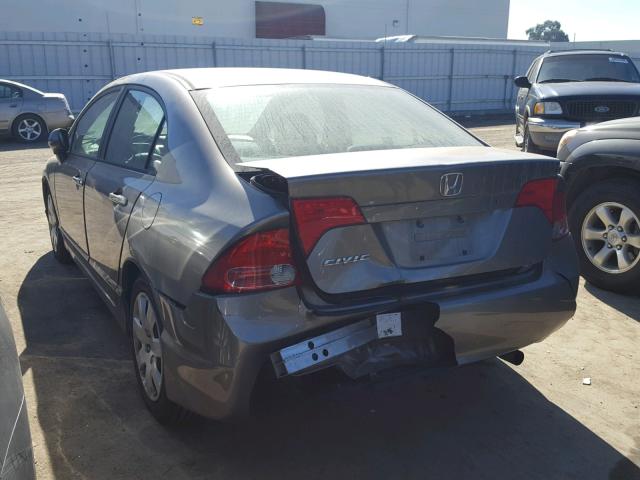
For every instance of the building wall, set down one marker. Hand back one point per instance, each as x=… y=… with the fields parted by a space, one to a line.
x=357 y=19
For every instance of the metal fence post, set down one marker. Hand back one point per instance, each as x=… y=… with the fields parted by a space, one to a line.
x=112 y=61
x=514 y=65
x=304 y=57
x=383 y=53
x=214 y=54
x=452 y=52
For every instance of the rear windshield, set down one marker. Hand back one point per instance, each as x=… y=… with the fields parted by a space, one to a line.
x=580 y=68
x=271 y=121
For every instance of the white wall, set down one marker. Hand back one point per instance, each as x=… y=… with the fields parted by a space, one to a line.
x=363 y=19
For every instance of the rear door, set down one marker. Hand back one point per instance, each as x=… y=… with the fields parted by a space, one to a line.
x=69 y=178
x=116 y=181
x=10 y=105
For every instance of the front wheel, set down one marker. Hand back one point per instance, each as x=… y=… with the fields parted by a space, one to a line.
x=527 y=143
x=58 y=247
x=148 y=359
x=605 y=223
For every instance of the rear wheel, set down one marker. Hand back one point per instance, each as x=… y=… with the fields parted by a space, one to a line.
x=60 y=251
x=605 y=223
x=148 y=359
x=29 y=129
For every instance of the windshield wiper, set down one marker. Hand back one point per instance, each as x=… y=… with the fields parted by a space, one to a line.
x=606 y=79
x=558 y=80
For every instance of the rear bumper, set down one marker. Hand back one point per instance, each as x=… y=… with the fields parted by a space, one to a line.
x=59 y=119
x=546 y=133
x=215 y=347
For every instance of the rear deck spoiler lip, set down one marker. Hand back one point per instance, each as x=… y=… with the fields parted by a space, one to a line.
x=378 y=161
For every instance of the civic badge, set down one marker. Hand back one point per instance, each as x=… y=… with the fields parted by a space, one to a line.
x=451 y=184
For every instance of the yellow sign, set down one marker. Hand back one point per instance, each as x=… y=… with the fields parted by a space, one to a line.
x=197 y=21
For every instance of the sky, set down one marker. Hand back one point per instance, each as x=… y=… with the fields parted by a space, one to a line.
x=589 y=20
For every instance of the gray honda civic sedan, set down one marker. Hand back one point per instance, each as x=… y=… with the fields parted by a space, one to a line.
x=261 y=221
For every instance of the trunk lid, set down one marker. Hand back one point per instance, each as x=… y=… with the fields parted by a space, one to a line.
x=420 y=224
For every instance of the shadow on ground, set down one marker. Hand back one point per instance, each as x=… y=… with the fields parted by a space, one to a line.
x=7 y=144
x=621 y=303
x=482 y=421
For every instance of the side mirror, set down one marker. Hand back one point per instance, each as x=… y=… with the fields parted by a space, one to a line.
x=59 y=142
x=522 y=82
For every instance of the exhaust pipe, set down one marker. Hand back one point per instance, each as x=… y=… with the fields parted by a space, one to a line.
x=516 y=357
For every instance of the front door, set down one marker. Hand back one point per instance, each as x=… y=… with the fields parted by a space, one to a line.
x=114 y=184
x=70 y=176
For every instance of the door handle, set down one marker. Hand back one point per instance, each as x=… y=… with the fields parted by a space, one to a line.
x=13 y=105
x=78 y=180
x=117 y=199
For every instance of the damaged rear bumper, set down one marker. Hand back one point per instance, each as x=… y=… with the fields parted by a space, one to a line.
x=216 y=346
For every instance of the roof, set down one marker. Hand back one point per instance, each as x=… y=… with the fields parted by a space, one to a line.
x=558 y=53
x=21 y=85
x=201 y=78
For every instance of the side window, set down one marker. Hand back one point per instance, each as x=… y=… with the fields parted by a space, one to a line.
x=531 y=75
x=90 y=128
x=134 y=131
x=7 y=91
x=160 y=148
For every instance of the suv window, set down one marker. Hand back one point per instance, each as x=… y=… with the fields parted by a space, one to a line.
x=90 y=129
x=7 y=91
x=531 y=74
x=134 y=130
x=587 y=67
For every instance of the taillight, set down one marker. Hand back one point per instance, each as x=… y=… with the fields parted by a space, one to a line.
x=260 y=261
x=315 y=216
x=547 y=194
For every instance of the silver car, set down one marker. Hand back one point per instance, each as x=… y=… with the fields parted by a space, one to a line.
x=16 y=452
x=239 y=221
x=28 y=114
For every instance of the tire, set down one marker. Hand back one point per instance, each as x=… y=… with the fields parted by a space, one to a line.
x=527 y=143
x=29 y=128
x=145 y=328
x=58 y=247
x=605 y=224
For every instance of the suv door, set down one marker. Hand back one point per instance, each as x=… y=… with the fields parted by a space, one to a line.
x=86 y=144
x=523 y=93
x=116 y=181
x=10 y=105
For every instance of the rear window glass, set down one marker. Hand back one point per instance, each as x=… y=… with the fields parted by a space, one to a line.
x=272 y=121
x=584 y=67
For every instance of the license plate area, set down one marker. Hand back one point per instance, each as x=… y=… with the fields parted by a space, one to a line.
x=323 y=350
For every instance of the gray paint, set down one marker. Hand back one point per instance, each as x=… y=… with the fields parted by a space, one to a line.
x=214 y=345
x=16 y=454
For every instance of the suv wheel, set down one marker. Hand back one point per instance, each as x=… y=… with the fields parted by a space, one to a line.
x=29 y=129
x=60 y=251
x=527 y=143
x=148 y=359
x=605 y=223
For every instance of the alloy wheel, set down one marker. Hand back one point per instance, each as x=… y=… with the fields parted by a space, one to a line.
x=146 y=346
x=29 y=129
x=610 y=237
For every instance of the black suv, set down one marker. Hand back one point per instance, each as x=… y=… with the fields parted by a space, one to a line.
x=571 y=89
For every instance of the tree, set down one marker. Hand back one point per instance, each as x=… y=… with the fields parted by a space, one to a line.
x=549 y=31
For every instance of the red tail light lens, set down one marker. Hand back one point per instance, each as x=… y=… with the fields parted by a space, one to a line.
x=315 y=216
x=548 y=197
x=261 y=261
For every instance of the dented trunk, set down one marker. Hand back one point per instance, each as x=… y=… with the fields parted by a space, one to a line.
x=413 y=215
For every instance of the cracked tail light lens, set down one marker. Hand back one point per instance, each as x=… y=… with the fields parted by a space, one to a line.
x=548 y=195
x=315 y=216
x=261 y=261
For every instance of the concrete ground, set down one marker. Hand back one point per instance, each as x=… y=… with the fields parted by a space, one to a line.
x=485 y=421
